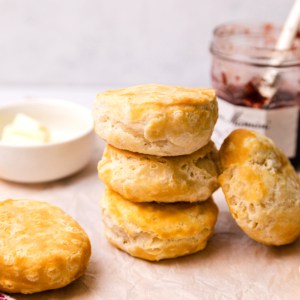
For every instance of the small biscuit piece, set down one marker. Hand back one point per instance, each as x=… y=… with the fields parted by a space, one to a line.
x=41 y=247
x=147 y=178
x=156 y=119
x=261 y=188
x=154 y=231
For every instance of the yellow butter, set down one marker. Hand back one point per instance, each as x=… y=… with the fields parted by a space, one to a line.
x=25 y=130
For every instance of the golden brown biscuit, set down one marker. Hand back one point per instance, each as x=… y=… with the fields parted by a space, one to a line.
x=146 y=178
x=261 y=188
x=41 y=247
x=155 y=231
x=156 y=119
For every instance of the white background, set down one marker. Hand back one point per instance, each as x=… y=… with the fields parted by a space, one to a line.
x=115 y=42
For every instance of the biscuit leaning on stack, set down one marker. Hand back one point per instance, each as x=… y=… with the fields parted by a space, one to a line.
x=160 y=168
x=261 y=187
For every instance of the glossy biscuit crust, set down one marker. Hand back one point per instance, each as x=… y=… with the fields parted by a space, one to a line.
x=261 y=188
x=155 y=231
x=156 y=119
x=41 y=247
x=147 y=178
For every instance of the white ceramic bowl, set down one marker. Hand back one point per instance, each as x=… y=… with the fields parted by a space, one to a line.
x=71 y=123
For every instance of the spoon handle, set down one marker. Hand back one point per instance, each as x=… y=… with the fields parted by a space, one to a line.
x=267 y=86
x=290 y=28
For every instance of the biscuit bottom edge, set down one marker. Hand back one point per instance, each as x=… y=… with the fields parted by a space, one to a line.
x=168 y=249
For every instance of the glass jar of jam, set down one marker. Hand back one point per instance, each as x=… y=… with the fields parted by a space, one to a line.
x=242 y=55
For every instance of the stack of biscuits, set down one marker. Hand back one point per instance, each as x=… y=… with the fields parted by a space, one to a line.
x=160 y=168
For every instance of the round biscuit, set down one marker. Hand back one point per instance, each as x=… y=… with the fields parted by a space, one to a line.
x=147 y=178
x=261 y=188
x=155 y=231
x=156 y=119
x=41 y=247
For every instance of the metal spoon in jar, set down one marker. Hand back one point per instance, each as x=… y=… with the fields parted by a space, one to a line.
x=267 y=85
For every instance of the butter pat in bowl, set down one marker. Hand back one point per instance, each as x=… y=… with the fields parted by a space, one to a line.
x=25 y=130
x=44 y=139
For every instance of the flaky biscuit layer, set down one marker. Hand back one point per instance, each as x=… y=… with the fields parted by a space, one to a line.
x=147 y=178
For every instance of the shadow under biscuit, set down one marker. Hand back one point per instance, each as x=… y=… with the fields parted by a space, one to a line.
x=285 y=251
x=81 y=288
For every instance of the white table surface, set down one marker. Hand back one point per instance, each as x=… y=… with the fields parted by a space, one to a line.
x=231 y=267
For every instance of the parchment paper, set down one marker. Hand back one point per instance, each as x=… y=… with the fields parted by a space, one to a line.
x=231 y=267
